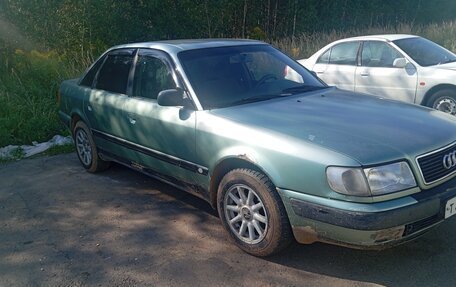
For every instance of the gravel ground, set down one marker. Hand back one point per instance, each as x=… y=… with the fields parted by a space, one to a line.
x=61 y=226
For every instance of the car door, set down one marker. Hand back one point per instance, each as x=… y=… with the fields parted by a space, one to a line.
x=378 y=76
x=337 y=66
x=104 y=106
x=163 y=137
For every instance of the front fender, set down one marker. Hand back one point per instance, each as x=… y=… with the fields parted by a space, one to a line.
x=290 y=163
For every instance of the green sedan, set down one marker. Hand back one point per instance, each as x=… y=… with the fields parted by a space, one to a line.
x=279 y=157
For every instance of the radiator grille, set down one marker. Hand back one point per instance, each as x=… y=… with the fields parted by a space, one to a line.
x=432 y=166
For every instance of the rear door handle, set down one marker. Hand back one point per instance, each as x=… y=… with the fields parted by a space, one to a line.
x=89 y=108
x=364 y=74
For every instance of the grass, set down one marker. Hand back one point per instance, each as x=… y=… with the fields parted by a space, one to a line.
x=29 y=83
x=54 y=150
x=58 y=149
x=29 y=80
x=17 y=154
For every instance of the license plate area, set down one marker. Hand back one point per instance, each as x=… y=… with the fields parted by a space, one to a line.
x=450 y=208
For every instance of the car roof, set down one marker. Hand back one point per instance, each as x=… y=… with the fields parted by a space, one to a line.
x=385 y=37
x=175 y=46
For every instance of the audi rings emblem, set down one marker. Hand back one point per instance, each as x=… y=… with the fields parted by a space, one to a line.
x=449 y=160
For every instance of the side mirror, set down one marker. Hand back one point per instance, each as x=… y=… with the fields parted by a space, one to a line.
x=171 y=98
x=400 y=63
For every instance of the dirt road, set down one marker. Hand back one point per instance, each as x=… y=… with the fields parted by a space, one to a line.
x=61 y=226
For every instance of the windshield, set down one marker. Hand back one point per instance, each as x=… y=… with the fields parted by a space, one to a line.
x=424 y=52
x=228 y=76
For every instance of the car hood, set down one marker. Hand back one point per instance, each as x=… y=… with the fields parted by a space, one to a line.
x=449 y=66
x=368 y=129
x=304 y=63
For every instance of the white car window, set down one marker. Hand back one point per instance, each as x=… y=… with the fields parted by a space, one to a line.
x=324 y=59
x=426 y=53
x=344 y=54
x=378 y=54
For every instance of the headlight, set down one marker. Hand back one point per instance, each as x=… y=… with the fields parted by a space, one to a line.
x=371 y=181
x=350 y=181
x=389 y=178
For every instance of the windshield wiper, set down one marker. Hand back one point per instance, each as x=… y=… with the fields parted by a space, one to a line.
x=448 y=61
x=258 y=99
x=285 y=93
x=302 y=89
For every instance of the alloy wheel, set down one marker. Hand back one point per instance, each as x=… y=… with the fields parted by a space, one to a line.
x=245 y=213
x=83 y=147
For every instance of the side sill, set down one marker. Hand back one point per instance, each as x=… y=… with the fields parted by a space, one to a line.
x=187 y=187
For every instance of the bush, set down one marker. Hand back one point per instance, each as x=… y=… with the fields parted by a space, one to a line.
x=29 y=83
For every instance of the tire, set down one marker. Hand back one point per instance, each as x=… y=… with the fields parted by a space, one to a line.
x=259 y=223
x=87 y=150
x=444 y=100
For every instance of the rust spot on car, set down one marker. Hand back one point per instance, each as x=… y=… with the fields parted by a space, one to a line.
x=305 y=234
x=388 y=234
x=246 y=157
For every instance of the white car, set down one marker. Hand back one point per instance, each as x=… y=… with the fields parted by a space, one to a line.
x=400 y=67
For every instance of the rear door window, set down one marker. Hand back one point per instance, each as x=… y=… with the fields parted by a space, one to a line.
x=90 y=75
x=344 y=53
x=113 y=75
x=324 y=59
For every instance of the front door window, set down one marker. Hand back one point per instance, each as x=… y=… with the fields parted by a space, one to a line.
x=151 y=77
x=378 y=54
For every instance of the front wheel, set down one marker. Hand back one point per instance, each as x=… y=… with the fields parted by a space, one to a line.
x=87 y=150
x=253 y=213
x=445 y=101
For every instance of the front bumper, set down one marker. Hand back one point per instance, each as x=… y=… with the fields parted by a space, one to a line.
x=366 y=225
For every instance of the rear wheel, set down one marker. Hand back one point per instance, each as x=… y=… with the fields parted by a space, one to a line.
x=86 y=149
x=253 y=213
x=444 y=100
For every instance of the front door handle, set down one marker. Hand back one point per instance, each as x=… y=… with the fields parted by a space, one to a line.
x=89 y=108
x=131 y=120
x=364 y=74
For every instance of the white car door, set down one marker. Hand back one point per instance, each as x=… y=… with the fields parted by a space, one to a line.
x=337 y=66
x=378 y=76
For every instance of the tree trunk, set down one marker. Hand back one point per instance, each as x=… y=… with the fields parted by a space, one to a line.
x=209 y=30
x=244 y=19
x=294 y=19
x=268 y=22
x=274 y=25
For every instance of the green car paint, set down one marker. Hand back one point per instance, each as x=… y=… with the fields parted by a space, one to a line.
x=292 y=140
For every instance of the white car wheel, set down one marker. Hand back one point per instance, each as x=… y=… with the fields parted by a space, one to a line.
x=445 y=101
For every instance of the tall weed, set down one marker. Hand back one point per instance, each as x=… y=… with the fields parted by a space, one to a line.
x=29 y=83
